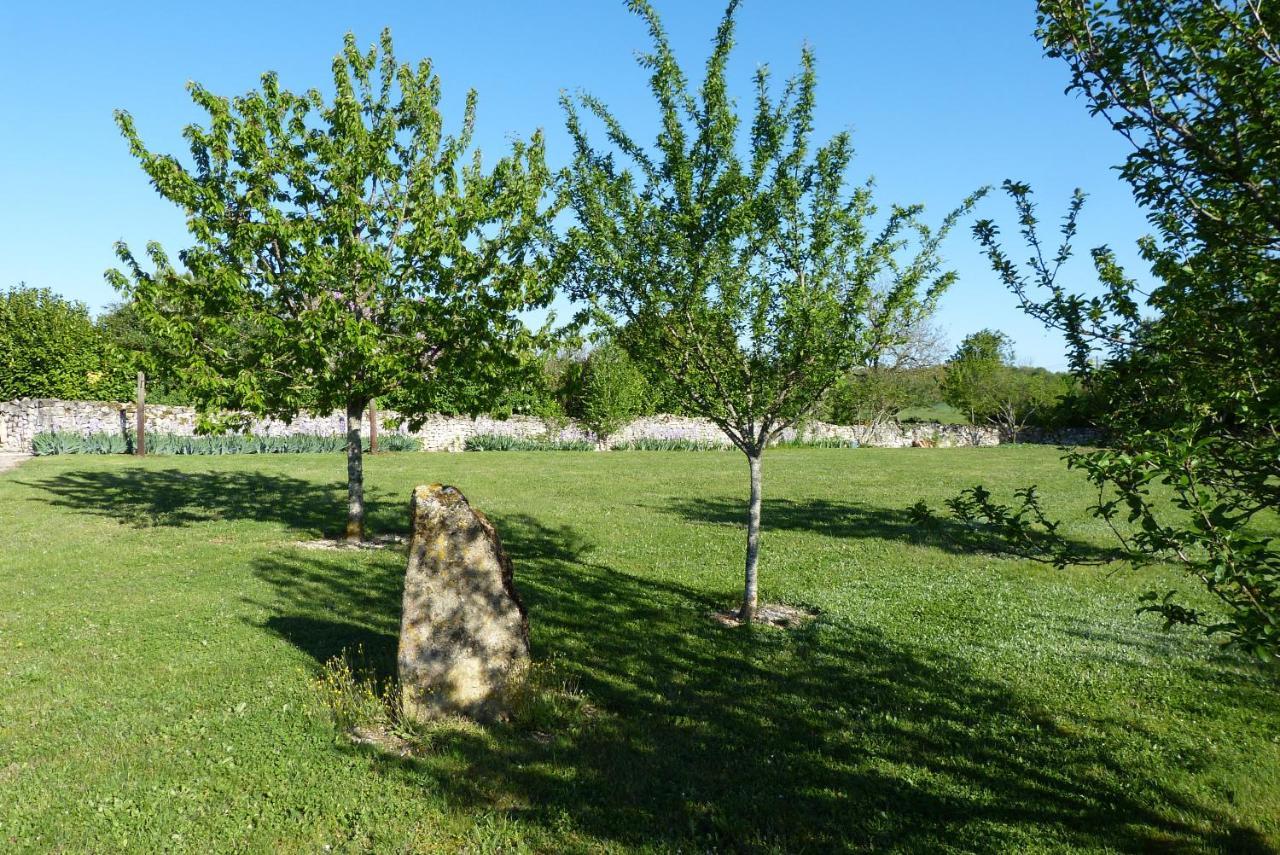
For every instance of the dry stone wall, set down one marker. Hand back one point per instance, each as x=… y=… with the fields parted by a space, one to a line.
x=22 y=419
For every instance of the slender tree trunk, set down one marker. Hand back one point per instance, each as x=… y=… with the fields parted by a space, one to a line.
x=749 y=594
x=373 y=427
x=140 y=428
x=355 y=473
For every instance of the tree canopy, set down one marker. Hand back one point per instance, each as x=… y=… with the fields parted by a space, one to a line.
x=1186 y=375
x=975 y=371
x=742 y=265
x=344 y=248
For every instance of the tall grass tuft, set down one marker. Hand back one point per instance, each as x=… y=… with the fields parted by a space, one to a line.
x=822 y=442
x=501 y=442
x=653 y=444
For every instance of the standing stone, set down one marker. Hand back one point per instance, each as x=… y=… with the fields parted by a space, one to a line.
x=464 y=634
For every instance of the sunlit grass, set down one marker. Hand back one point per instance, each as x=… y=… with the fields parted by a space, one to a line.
x=161 y=639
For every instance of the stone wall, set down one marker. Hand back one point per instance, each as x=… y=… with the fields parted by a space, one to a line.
x=885 y=436
x=22 y=419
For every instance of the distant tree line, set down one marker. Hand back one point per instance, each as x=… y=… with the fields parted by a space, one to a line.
x=51 y=347
x=600 y=386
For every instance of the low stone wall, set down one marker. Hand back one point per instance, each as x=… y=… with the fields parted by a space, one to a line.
x=22 y=419
x=883 y=436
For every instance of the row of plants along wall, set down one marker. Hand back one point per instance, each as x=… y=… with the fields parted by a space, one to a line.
x=69 y=442
x=50 y=443
x=502 y=442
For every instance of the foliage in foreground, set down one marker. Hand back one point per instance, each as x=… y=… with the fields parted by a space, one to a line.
x=1190 y=382
x=49 y=443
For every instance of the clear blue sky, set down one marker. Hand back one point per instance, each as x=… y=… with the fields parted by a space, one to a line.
x=942 y=97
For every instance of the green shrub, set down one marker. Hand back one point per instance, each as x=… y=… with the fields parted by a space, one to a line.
x=501 y=442
x=823 y=442
x=651 y=444
x=69 y=442
x=49 y=348
x=614 y=391
x=398 y=442
x=873 y=396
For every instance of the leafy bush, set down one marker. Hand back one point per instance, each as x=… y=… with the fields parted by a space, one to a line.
x=136 y=349
x=398 y=442
x=613 y=390
x=501 y=442
x=981 y=381
x=822 y=442
x=1018 y=397
x=49 y=348
x=651 y=444
x=70 y=442
x=973 y=373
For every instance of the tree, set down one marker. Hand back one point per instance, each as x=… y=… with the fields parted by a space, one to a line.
x=974 y=372
x=873 y=396
x=747 y=274
x=353 y=246
x=899 y=375
x=908 y=339
x=49 y=348
x=613 y=390
x=1189 y=379
x=123 y=329
x=981 y=381
x=1023 y=395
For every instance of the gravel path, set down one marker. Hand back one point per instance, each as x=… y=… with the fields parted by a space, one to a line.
x=9 y=460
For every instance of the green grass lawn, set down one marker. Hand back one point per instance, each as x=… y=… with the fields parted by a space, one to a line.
x=160 y=635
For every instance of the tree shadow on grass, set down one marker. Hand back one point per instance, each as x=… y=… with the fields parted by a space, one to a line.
x=853 y=520
x=830 y=737
x=146 y=497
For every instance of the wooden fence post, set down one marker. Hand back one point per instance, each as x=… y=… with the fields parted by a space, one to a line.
x=140 y=429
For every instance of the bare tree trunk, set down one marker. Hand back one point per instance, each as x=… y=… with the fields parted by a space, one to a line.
x=140 y=428
x=373 y=427
x=749 y=594
x=355 y=473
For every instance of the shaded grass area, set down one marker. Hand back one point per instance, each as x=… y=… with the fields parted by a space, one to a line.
x=154 y=691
